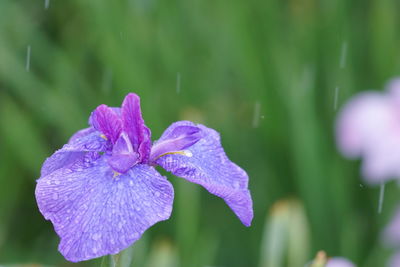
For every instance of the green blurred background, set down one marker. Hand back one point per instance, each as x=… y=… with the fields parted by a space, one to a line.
x=268 y=75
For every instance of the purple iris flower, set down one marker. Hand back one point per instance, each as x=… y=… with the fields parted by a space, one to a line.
x=101 y=190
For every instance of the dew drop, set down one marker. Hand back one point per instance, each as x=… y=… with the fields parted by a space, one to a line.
x=157 y=194
x=130 y=182
x=55 y=196
x=96 y=236
x=57 y=182
x=187 y=153
x=48 y=182
x=138 y=208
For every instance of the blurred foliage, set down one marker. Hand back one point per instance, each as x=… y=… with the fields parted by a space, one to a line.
x=216 y=62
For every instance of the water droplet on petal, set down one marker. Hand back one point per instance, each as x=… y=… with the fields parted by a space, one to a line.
x=57 y=182
x=130 y=182
x=187 y=153
x=55 y=196
x=157 y=194
x=96 y=236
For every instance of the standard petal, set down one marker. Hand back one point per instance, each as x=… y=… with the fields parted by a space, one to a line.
x=205 y=163
x=134 y=126
x=106 y=120
x=95 y=213
x=75 y=149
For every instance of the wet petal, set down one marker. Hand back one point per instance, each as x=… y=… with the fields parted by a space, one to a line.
x=121 y=163
x=134 y=126
x=179 y=138
x=105 y=120
x=96 y=214
x=80 y=134
x=205 y=163
x=74 y=150
x=123 y=157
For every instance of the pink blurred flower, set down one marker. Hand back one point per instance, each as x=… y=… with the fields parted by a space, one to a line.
x=339 y=262
x=368 y=126
x=391 y=234
x=395 y=260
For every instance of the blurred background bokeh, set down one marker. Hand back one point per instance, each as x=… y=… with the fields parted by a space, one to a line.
x=270 y=76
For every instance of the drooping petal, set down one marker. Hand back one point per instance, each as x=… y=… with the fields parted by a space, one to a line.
x=178 y=139
x=134 y=126
x=74 y=150
x=105 y=120
x=95 y=213
x=205 y=163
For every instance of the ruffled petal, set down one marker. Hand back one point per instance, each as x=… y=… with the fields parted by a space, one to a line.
x=75 y=149
x=95 y=213
x=134 y=126
x=205 y=163
x=106 y=120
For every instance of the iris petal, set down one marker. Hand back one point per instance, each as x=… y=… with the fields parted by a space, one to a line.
x=95 y=214
x=178 y=139
x=208 y=165
x=134 y=126
x=74 y=150
x=106 y=120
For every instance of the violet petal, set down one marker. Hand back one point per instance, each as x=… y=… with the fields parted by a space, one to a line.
x=205 y=163
x=96 y=214
x=105 y=120
x=179 y=138
x=121 y=163
x=134 y=126
x=81 y=133
x=74 y=150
